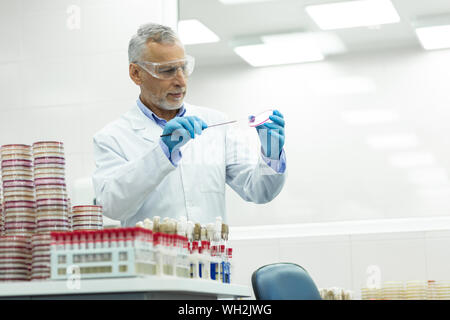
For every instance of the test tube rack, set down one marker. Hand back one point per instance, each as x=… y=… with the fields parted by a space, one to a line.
x=118 y=252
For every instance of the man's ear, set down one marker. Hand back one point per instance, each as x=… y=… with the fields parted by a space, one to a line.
x=135 y=74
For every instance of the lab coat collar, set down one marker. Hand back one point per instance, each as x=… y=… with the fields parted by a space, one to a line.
x=145 y=127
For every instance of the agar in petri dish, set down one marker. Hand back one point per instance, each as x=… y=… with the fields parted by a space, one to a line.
x=260 y=118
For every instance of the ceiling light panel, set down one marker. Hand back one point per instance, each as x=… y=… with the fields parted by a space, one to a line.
x=433 y=176
x=265 y=54
x=194 y=32
x=289 y=48
x=328 y=43
x=412 y=159
x=434 y=37
x=351 y=14
x=342 y=86
x=369 y=116
x=393 y=141
x=231 y=2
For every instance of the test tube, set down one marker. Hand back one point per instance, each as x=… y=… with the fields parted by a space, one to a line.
x=106 y=239
x=229 y=264
x=82 y=235
x=90 y=240
x=98 y=240
x=113 y=239
x=156 y=220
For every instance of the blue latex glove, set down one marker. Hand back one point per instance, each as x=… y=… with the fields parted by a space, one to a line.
x=271 y=135
x=182 y=129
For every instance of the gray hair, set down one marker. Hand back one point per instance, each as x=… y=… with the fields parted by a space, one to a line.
x=149 y=32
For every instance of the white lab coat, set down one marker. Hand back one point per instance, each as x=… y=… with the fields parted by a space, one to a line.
x=135 y=180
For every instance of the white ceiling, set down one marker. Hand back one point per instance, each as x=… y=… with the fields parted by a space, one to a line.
x=232 y=22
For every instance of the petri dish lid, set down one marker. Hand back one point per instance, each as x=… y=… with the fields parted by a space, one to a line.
x=260 y=118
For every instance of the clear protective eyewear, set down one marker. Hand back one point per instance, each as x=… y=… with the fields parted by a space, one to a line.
x=169 y=70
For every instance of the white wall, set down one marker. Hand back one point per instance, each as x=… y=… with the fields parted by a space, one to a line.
x=64 y=70
x=344 y=260
x=333 y=175
x=343 y=208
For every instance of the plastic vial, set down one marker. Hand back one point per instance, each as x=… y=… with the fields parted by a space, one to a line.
x=105 y=239
x=121 y=239
x=222 y=267
x=204 y=263
x=83 y=241
x=229 y=265
x=148 y=224
x=113 y=239
x=76 y=241
x=156 y=220
x=214 y=270
x=195 y=261
x=158 y=252
x=98 y=241
x=128 y=239
x=90 y=240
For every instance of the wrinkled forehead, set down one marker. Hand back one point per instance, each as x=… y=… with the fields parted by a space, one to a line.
x=159 y=52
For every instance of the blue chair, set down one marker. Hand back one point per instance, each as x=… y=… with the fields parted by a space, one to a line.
x=284 y=281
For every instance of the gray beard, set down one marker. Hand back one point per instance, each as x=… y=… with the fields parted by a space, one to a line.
x=166 y=106
x=163 y=104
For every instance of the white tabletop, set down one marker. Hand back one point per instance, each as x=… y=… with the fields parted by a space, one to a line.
x=123 y=285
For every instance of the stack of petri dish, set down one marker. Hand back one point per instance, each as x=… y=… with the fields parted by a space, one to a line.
x=431 y=290
x=52 y=215
x=51 y=200
x=370 y=293
x=392 y=290
x=416 y=290
x=40 y=250
x=442 y=290
x=19 y=204
x=87 y=218
x=69 y=204
x=15 y=258
x=50 y=182
x=2 y=223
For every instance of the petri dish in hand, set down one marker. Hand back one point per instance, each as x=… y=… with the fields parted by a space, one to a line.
x=260 y=118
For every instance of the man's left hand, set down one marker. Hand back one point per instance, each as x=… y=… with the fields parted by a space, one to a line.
x=271 y=135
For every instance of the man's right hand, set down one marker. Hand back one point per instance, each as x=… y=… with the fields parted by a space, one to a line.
x=181 y=130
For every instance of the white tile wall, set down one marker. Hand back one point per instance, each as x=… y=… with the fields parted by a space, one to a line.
x=88 y=164
x=45 y=35
x=62 y=123
x=11 y=96
x=45 y=6
x=101 y=22
x=12 y=126
x=106 y=78
x=10 y=31
x=75 y=169
x=64 y=84
x=53 y=82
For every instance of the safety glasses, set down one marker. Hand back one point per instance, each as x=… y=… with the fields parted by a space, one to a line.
x=168 y=70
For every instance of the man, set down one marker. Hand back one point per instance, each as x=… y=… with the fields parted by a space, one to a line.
x=158 y=159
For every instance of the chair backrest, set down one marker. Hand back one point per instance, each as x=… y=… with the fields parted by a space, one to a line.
x=284 y=281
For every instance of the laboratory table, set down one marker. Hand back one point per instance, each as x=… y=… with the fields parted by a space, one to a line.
x=137 y=288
